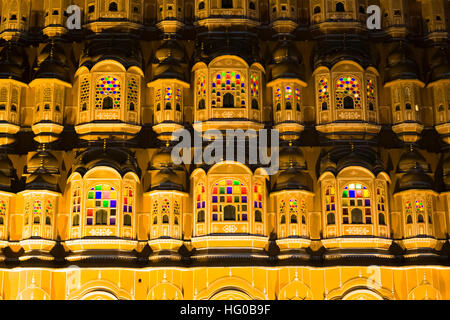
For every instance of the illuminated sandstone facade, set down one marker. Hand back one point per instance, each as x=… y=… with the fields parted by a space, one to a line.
x=92 y=205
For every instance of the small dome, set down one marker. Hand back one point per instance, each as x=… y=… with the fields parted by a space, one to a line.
x=168 y=179
x=162 y=159
x=43 y=161
x=42 y=181
x=331 y=52
x=415 y=179
x=401 y=64
x=293 y=179
x=12 y=63
x=292 y=157
x=440 y=65
x=286 y=61
x=326 y=164
x=410 y=160
x=353 y=159
x=51 y=63
x=170 y=48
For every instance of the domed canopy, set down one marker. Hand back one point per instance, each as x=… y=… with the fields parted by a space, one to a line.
x=52 y=63
x=168 y=179
x=169 y=61
x=162 y=159
x=43 y=162
x=293 y=179
x=410 y=160
x=331 y=52
x=114 y=157
x=125 y=51
x=170 y=48
x=440 y=65
x=415 y=179
x=287 y=62
x=401 y=64
x=292 y=157
x=42 y=181
x=13 y=64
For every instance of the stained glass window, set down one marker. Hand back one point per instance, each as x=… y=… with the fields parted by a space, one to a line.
x=155 y=211
x=228 y=82
x=348 y=87
x=302 y=209
x=102 y=198
x=254 y=86
x=330 y=204
x=278 y=95
x=128 y=200
x=356 y=204
x=230 y=193
x=84 y=93
x=165 y=210
x=381 y=206
x=76 y=200
x=420 y=211
x=323 y=90
x=201 y=196
x=133 y=93
x=37 y=207
x=371 y=95
x=282 y=212
x=2 y=208
x=257 y=196
x=288 y=93
x=108 y=93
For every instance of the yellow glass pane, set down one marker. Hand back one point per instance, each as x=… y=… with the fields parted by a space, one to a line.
x=113 y=194
x=366 y=194
x=222 y=183
x=90 y=203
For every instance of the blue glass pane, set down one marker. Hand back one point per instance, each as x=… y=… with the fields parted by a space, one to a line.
x=244 y=217
x=229 y=190
x=198 y=205
x=98 y=195
x=214 y=217
x=367 y=203
x=130 y=209
x=125 y=209
x=244 y=199
x=203 y=204
x=113 y=204
x=214 y=199
x=351 y=193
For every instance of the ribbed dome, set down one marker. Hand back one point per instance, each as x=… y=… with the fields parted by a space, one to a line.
x=401 y=64
x=42 y=181
x=440 y=65
x=168 y=179
x=332 y=52
x=51 y=63
x=43 y=161
x=286 y=62
x=410 y=160
x=415 y=179
x=353 y=159
x=12 y=63
x=162 y=159
x=170 y=48
x=292 y=156
x=293 y=179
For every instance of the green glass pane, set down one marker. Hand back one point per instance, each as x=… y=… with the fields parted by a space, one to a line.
x=345 y=194
x=91 y=195
x=105 y=203
x=222 y=190
x=99 y=187
x=236 y=183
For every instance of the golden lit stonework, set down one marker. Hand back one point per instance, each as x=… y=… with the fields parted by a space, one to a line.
x=94 y=204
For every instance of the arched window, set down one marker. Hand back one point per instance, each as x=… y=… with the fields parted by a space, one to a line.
x=258 y=216
x=102 y=201
x=226 y=193
x=76 y=201
x=37 y=220
x=408 y=106
x=371 y=94
x=348 y=93
x=37 y=210
x=316 y=10
x=324 y=106
x=255 y=104
x=113 y=7
x=227 y=4
x=2 y=221
x=165 y=209
x=168 y=106
x=349 y=103
x=109 y=89
x=278 y=106
x=229 y=213
x=228 y=100
x=228 y=82
x=381 y=219
x=283 y=219
x=2 y=211
x=294 y=218
x=331 y=220
x=101 y=217
x=201 y=216
x=356 y=196
x=76 y=220
x=330 y=202
x=165 y=219
x=175 y=221
x=409 y=220
x=340 y=7
x=127 y=220
x=131 y=108
x=201 y=105
x=252 y=5
x=48 y=221
x=201 y=6
x=303 y=220
x=288 y=106
x=257 y=196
